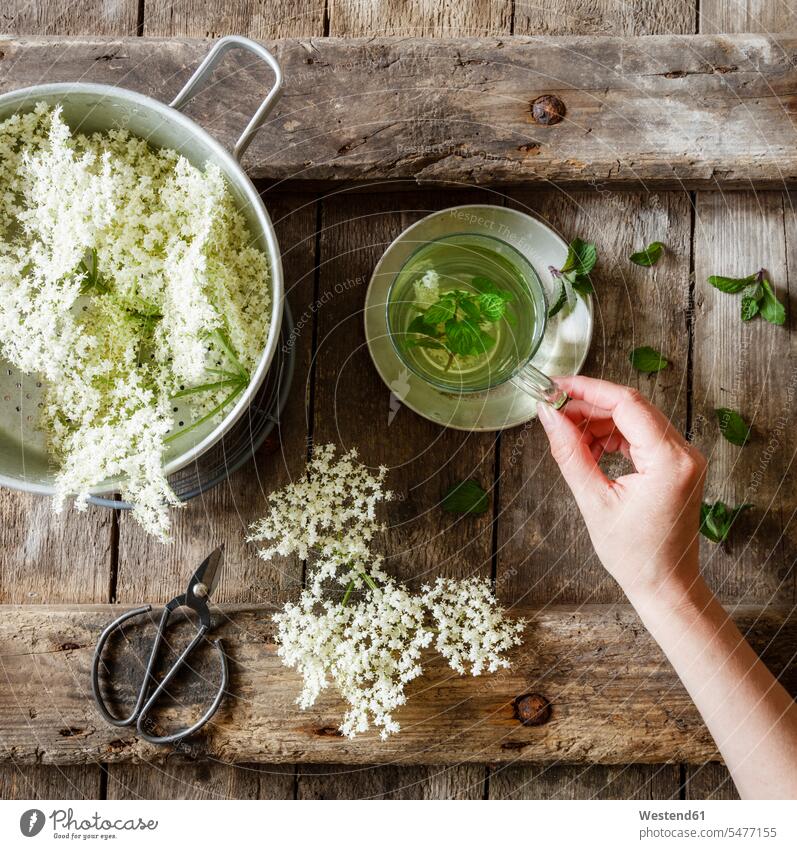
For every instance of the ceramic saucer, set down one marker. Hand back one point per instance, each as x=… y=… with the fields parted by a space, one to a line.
x=564 y=346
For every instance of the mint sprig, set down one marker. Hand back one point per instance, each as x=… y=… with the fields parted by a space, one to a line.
x=732 y=426
x=649 y=256
x=466 y=497
x=455 y=321
x=573 y=276
x=716 y=520
x=647 y=359
x=758 y=296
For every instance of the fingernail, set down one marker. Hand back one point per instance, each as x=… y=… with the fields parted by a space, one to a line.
x=546 y=413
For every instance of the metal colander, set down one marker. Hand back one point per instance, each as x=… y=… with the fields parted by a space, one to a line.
x=89 y=108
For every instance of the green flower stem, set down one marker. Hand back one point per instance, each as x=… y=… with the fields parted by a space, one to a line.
x=227 y=348
x=369 y=580
x=207 y=387
x=218 y=408
x=347 y=594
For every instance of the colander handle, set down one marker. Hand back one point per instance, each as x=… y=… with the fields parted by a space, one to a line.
x=199 y=77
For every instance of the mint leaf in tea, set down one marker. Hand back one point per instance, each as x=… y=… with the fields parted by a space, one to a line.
x=466 y=311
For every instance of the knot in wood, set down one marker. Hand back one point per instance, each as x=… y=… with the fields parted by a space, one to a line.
x=532 y=709
x=548 y=110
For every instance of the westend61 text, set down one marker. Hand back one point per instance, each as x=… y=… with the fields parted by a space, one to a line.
x=672 y=815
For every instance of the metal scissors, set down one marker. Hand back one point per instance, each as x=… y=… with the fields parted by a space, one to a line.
x=201 y=585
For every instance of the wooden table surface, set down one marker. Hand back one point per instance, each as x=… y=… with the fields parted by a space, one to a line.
x=533 y=543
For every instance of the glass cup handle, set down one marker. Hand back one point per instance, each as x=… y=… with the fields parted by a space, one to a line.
x=537 y=384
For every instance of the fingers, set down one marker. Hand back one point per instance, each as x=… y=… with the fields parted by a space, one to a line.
x=644 y=426
x=572 y=453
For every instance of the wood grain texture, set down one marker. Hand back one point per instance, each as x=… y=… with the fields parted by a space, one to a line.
x=544 y=551
x=353 y=406
x=419 y=18
x=614 y=697
x=733 y=567
x=26 y=781
x=629 y=781
x=391 y=782
x=200 y=780
x=253 y=18
x=747 y=16
x=604 y=17
x=657 y=110
x=46 y=558
x=746 y=366
x=69 y=17
x=709 y=781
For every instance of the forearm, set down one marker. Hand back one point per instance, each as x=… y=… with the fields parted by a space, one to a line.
x=751 y=717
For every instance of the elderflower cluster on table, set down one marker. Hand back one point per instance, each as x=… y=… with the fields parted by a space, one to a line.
x=129 y=285
x=353 y=626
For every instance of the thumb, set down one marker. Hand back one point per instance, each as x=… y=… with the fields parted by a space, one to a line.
x=572 y=454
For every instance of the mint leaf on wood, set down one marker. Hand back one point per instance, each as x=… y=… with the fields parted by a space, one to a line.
x=758 y=296
x=647 y=359
x=731 y=285
x=732 y=426
x=770 y=307
x=716 y=520
x=649 y=256
x=466 y=497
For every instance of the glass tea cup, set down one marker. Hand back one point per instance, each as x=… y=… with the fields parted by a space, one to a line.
x=477 y=344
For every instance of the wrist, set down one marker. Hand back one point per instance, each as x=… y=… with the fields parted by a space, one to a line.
x=672 y=595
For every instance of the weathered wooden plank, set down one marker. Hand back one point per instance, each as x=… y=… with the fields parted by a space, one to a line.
x=544 y=551
x=748 y=367
x=98 y=17
x=354 y=408
x=629 y=781
x=420 y=18
x=200 y=780
x=48 y=558
x=51 y=559
x=614 y=697
x=391 y=782
x=664 y=110
x=253 y=18
x=28 y=781
x=603 y=17
x=709 y=781
x=748 y=229
x=747 y=16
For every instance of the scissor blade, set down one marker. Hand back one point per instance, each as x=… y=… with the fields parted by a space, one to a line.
x=209 y=571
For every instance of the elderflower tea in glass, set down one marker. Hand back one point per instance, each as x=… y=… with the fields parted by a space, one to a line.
x=466 y=313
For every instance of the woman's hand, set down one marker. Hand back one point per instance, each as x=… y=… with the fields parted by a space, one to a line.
x=644 y=525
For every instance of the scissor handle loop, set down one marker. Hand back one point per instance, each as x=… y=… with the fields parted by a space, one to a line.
x=122 y=722
x=145 y=701
x=186 y=732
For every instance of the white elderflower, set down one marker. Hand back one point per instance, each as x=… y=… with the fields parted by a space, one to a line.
x=331 y=511
x=427 y=288
x=473 y=633
x=127 y=276
x=368 y=642
x=369 y=649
